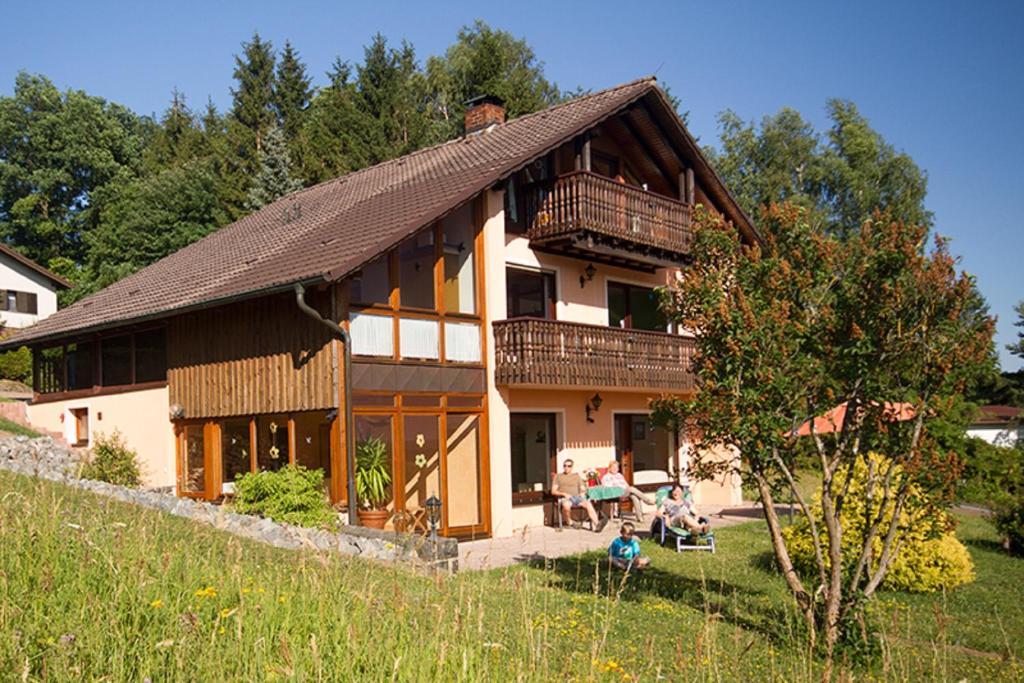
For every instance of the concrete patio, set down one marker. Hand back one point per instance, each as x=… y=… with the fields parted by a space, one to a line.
x=532 y=544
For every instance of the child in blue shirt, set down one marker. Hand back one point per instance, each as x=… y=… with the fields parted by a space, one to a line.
x=624 y=552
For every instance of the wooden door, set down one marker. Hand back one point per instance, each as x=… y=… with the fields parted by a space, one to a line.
x=624 y=445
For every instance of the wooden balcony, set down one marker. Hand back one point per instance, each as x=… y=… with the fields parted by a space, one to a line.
x=589 y=216
x=555 y=353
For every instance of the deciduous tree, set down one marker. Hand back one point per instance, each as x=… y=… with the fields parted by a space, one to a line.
x=790 y=329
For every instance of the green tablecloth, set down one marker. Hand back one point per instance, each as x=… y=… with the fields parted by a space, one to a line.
x=605 y=492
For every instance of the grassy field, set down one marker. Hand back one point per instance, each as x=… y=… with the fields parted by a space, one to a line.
x=17 y=429
x=91 y=589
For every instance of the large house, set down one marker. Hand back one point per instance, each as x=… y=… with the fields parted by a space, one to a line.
x=498 y=290
x=28 y=292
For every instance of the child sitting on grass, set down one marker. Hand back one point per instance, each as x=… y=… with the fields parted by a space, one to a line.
x=624 y=552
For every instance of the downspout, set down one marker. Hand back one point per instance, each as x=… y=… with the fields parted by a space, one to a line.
x=350 y=447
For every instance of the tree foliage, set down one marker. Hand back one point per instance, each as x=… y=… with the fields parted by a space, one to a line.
x=786 y=331
x=275 y=177
x=1017 y=348
x=840 y=176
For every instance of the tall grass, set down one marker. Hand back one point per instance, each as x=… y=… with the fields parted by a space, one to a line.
x=94 y=589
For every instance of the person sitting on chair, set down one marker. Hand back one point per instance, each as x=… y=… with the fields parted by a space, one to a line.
x=678 y=510
x=614 y=478
x=571 y=490
x=624 y=552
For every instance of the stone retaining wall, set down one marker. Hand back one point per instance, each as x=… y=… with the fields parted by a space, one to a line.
x=46 y=459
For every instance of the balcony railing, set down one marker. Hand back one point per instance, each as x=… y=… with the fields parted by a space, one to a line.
x=586 y=208
x=532 y=351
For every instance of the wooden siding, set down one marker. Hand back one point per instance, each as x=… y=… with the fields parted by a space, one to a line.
x=250 y=358
x=555 y=353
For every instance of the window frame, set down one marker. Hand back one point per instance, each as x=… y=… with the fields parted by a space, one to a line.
x=628 y=287
x=550 y=279
x=395 y=310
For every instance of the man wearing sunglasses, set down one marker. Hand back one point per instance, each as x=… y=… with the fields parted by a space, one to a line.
x=570 y=489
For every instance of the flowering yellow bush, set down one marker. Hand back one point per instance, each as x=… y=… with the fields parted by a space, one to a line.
x=930 y=557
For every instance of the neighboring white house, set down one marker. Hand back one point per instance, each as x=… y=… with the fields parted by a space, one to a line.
x=28 y=292
x=998 y=425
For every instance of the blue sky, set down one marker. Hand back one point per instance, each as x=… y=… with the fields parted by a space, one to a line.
x=940 y=80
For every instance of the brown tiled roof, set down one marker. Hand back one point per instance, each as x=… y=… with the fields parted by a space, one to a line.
x=998 y=415
x=330 y=230
x=26 y=261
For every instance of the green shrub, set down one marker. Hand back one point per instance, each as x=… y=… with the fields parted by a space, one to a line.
x=17 y=365
x=293 y=494
x=113 y=462
x=1009 y=522
x=990 y=472
x=929 y=558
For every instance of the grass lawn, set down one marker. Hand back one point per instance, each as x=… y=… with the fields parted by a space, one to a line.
x=94 y=589
x=17 y=429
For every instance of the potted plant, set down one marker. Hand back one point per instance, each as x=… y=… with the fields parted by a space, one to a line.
x=373 y=477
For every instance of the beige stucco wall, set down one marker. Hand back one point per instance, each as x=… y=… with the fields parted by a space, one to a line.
x=586 y=304
x=140 y=416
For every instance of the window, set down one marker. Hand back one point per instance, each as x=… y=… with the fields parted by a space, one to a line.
x=418 y=338
x=464 y=487
x=416 y=271
x=372 y=285
x=193 y=460
x=78 y=358
x=235 y=449
x=529 y=293
x=19 y=302
x=634 y=307
x=372 y=335
x=116 y=361
x=462 y=342
x=150 y=356
x=533 y=455
x=459 y=274
x=271 y=442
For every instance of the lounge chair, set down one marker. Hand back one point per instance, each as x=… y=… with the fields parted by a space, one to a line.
x=682 y=538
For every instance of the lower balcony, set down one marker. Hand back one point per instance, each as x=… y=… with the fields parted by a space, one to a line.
x=555 y=353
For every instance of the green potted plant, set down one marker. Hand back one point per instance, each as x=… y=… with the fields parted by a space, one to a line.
x=373 y=476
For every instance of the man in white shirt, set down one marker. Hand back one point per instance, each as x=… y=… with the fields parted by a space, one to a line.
x=614 y=478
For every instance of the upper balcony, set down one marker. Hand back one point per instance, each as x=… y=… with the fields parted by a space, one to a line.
x=556 y=353
x=587 y=215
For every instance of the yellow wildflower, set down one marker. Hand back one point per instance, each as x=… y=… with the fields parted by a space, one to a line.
x=157 y=604
x=226 y=612
x=208 y=592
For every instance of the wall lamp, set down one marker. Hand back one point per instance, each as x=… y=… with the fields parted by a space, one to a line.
x=588 y=275
x=593 y=405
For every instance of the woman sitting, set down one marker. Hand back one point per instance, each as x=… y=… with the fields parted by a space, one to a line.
x=614 y=478
x=678 y=510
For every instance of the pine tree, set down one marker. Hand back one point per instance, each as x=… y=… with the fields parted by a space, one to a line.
x=253 y=105
x=291 y=93
x=178 y=139
x=275 y=178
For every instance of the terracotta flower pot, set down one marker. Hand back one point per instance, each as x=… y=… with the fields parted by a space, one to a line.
x=374 y=519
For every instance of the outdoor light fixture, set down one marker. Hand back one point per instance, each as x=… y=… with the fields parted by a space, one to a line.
x=433 y=505
x=593 y=405
x=588 y=275
x=177 y=411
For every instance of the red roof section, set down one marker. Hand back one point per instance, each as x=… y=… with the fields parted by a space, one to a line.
x=330 y=230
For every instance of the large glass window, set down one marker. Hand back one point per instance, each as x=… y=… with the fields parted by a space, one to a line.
x=372 y=285
x=313 y=441
x=372 y=335
x=193 y=460
x=80 y=366
x=271 y=442
x=634 y=307
x=416 y=271
x=116 y=356
x=422 y=462
x=533 y=455
x=459 y=273
x=462 y=342
x=418 y=338
x=235 y=448
x=374 y=439
x=529 y=293
x=151 y=356
x=463 y=469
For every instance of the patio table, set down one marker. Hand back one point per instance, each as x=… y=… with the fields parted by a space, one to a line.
x=600 y=495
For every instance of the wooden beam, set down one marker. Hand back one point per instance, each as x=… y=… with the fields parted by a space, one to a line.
x=646 y=149
x=690 y=196
x=586 y=151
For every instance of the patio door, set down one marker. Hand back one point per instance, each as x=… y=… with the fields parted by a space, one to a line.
x=646 y=453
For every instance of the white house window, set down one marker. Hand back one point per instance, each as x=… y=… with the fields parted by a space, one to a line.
x=418 y=338
x=462 y=342
x=372 y=335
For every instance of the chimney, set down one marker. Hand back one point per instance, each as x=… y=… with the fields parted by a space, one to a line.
x=484 y=111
